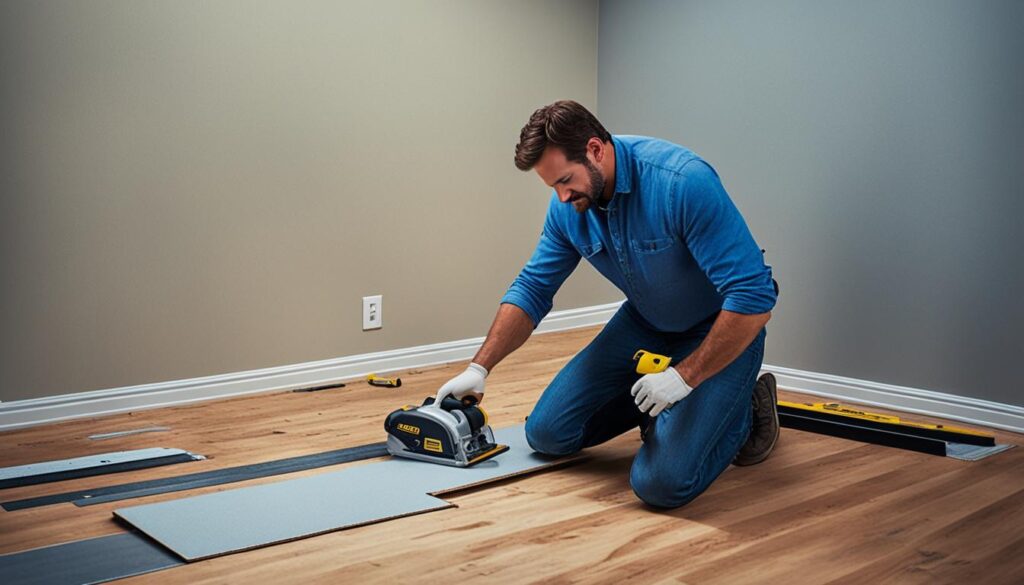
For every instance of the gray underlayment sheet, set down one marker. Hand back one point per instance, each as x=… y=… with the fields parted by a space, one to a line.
x=87 y=462
x=235 y=520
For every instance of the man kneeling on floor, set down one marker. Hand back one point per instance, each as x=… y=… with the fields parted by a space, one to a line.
x=654 y=219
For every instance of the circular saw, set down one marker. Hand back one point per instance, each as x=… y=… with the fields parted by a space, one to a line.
x=453 y=432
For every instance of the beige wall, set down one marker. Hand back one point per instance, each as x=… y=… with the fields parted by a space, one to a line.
x=194 y=188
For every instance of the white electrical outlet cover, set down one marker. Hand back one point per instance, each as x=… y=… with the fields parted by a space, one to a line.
x=373 y=315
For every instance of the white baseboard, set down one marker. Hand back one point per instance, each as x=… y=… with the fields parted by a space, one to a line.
x=23 y=413
x=912 y=400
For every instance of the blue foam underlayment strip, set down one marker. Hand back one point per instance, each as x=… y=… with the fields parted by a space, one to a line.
x=94 y=560
x=234 y=520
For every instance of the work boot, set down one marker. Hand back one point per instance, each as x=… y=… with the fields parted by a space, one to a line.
x=764 y=431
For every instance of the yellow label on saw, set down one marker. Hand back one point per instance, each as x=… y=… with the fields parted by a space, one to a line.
x=432 y=445
x=408 y=428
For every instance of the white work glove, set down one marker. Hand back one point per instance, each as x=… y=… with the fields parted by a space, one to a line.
x=656 y=392
x=469 y=382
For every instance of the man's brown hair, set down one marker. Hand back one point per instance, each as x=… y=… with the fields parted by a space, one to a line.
x=564 y=124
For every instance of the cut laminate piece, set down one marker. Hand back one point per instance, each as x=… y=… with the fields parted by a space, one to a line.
x=99 y=464
x=973 y=452
x=241 y=519
x=95 y=560
x=234 y=520
x=202 y=479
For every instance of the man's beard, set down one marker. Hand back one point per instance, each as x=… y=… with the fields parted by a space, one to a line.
x=592 y=197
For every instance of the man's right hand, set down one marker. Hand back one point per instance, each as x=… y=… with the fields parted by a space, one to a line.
x=469 y=382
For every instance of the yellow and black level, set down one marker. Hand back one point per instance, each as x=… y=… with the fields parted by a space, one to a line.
x=858 y=424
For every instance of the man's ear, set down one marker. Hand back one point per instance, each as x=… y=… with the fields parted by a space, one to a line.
x=596 y=148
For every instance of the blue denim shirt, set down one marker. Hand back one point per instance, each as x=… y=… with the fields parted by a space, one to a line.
x=671 y=240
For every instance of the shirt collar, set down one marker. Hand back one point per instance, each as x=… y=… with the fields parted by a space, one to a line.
x=623 y=174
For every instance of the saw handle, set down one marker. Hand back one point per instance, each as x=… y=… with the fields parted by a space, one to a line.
x=451 y=403
x=476 y=416
x=469 y=400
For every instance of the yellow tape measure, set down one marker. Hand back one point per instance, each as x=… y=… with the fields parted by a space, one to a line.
x=648 y=362
x=376 y=380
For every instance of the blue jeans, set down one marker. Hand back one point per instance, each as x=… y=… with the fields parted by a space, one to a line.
x=687 y=446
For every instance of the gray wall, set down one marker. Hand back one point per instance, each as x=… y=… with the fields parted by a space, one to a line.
x=877 y=151
x=191 y=188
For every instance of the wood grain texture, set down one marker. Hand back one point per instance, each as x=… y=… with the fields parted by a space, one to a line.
x=819 y=510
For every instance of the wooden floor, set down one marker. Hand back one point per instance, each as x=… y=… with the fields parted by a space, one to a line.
x=820 y=510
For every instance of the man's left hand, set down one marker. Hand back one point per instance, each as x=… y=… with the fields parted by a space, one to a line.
x=656 y=392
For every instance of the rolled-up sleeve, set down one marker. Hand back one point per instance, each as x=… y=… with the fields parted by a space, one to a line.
x=721 y=243
x=552 y=262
